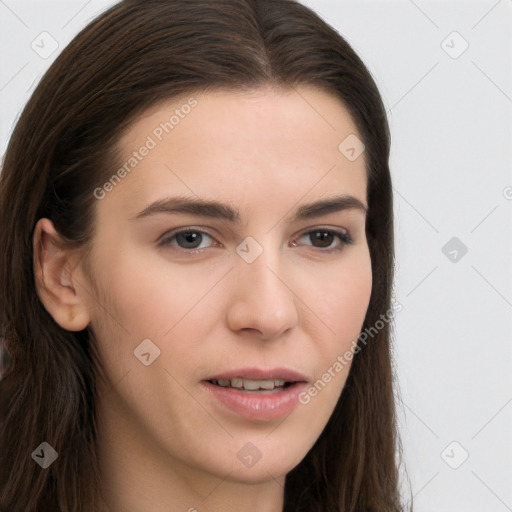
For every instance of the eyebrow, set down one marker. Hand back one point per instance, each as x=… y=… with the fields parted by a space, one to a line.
x=223 y=211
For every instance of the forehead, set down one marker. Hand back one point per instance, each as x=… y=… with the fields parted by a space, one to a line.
x=234 y=144
x=300 y=112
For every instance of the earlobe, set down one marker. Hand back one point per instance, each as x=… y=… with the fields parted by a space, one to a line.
x=55 y=274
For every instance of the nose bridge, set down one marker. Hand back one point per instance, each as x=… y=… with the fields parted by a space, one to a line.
x=263 y=300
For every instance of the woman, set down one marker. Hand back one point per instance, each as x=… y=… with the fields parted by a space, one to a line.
x=197 y=209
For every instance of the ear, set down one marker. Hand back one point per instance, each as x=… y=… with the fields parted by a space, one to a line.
x=57 y=275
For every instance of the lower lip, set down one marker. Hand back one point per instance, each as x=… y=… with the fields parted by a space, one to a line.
x=258 y=406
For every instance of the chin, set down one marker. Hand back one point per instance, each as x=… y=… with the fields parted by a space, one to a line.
x=260 y=473
x=272 y=462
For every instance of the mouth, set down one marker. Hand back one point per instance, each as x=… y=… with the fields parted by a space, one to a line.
x=256 y=394
x=253 y=386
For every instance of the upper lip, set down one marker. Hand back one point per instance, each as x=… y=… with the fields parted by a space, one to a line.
x=261 y=374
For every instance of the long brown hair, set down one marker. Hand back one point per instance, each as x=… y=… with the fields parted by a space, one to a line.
x=137 y=53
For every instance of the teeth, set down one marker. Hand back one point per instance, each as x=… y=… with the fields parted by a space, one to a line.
x=253 y=385
x=249 y=384
x=237 y=383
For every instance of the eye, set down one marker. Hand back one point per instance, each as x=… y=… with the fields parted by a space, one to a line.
x=323 y=238
x=189 y=238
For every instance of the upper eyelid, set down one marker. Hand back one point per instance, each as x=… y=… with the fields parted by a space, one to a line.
x=207 y=230
x=173 y=232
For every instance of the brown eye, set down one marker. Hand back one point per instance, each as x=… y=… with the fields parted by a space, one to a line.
x=326 y=239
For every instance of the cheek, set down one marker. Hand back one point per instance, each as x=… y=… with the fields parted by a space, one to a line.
x=149 y=301
x=342 y=307
x=353 y=297
x=343 y=301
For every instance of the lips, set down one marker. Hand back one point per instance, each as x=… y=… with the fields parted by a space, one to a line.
x=257 y=394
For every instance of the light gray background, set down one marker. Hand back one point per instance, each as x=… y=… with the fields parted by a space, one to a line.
x=451 y=121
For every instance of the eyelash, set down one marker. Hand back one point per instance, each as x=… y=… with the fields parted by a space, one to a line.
x=342 y=236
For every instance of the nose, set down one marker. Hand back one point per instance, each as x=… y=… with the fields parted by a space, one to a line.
x=262 y=301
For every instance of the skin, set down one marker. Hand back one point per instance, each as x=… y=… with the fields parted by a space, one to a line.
x=164 y=443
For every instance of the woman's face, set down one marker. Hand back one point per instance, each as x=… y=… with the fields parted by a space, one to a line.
x=261 y=291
